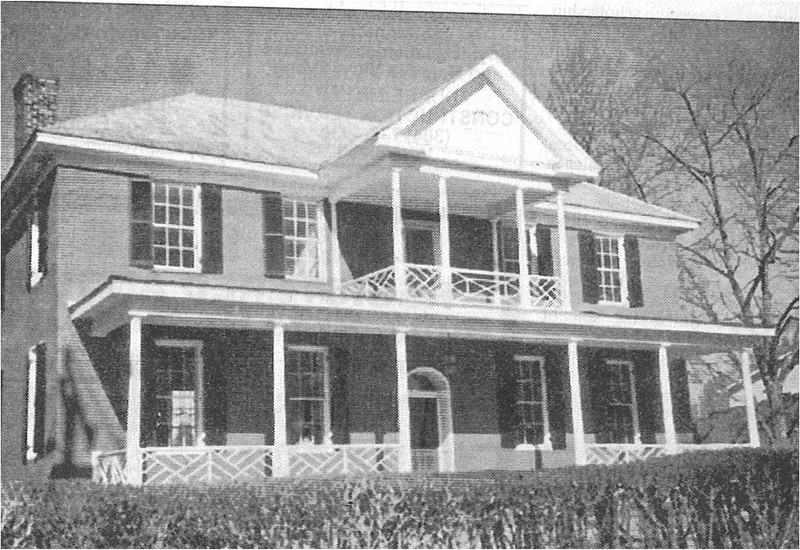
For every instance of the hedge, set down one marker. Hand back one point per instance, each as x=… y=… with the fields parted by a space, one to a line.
x=742 y=498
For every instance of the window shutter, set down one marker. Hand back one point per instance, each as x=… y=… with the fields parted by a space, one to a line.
x=42 y=208
x=215 y=387
x=507 y=419
x=635 y=296
x=141 y=224
x=340 y=421
x=211 y=222
x=544 y=250
x=41 y=388
x=273 y=236
x=587 y=248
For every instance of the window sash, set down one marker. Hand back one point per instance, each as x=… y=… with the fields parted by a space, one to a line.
x=612 y=279
x=308 y=395
x=176 y=220
x=302 y=238
x=531 y=401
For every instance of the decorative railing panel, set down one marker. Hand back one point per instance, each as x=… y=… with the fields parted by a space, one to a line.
x=162 y=465
x=474 y=286
x=310 y=460
x=108 y=467
x=613 y=453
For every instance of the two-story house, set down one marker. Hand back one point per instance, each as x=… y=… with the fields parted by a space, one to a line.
x=232 y=291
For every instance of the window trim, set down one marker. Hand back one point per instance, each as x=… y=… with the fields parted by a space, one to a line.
x=199 y=400
x=32 y=412
x=623 y=271
x=322 y=240
x=547 y=444
x=634 y=405
x=327 y=434
x=197 y=206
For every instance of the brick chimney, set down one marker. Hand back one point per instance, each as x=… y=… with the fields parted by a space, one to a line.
x=35 y=104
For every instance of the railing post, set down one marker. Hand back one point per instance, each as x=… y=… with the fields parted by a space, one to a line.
x=280 y=458
x=444 y=236
x=400 y=279
x=579 y=439
x=522 y=240
x=403 y=412
x=566 y=300
x=670 y=437
x=133 y=454
x=749 y=399
x=336 y=259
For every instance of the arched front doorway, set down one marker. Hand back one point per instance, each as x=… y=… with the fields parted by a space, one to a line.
x=431 y=421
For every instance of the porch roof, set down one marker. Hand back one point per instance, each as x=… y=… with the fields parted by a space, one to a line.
x=112 y=303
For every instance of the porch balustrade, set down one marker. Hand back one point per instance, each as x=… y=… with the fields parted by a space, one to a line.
x=607 y=454
x=472 y=286
x=324 y=460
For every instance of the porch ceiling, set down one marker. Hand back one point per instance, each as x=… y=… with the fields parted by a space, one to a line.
x=110 y=306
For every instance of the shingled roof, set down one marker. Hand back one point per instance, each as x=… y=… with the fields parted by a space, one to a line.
x=226 y=128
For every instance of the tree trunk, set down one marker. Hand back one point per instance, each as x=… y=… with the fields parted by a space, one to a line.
x=777 y=415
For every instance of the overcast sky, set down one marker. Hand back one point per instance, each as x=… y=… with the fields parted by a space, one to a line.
x=359 y=64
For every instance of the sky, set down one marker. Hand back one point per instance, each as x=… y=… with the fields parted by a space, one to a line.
x=352 y=63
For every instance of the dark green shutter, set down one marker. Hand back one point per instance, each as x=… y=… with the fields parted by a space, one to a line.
x=635 y=296
x=587 y=248
x=544 y=251
x=141 y=224
x=211 y=221
x=215 y=388
x=507 y=419
x=41 y=400
x=273 y=236
x=340 y=417
x=42 y=209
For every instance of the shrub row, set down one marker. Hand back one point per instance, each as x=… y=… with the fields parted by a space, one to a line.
x=743 y=498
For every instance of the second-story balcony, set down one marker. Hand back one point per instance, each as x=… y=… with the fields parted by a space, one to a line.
x=432 y=283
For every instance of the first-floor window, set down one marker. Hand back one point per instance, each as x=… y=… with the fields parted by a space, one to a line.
x=176 y=226
x=34 y=433
x=531 y=401
x=610 y=266
x=179 y=390
x=308 y=395
x=301 y=239
x=622 y=415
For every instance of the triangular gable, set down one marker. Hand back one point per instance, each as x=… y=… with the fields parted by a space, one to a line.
x=487 y=117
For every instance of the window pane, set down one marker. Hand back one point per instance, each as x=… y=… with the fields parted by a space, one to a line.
x=160 y=193
x=188 y=238
x=159 y=235
x=172 y=237
x=188 y=258
x=188 y=217
x=174 y=216
x=173 y=194
x=160 y=215
x=159 y=255
x=187 y=196
x=174 y=257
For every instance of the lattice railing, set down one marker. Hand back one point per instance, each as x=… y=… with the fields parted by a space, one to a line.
x=108 y=467
x=311 y=460
x=617 y=453
x=475 y=286
x=162 y=465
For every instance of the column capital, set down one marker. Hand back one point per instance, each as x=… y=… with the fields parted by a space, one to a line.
x=396 y=170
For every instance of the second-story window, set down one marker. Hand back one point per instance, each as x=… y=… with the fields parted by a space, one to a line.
x=610 y=267
x=301 y=239
x=176 y=226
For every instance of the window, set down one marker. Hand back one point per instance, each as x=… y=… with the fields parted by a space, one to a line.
x=179 y=393
x=308 y=395
x=176 y=226
x=509 y=243
x=612 y=283
x=38 y=244
x=622 y=421
x=37 y=383
x=531 y=402
x=302 y=243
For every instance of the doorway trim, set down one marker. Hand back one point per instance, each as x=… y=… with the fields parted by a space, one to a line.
x=444 y=413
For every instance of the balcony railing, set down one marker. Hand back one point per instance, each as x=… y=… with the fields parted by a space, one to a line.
x=473 y=286
x=618 y=453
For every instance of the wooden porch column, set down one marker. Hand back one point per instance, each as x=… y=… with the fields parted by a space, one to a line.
x=444 y=236
x=403 y=413
x=579 y=439
x=566 y=301
x=280 y=458
x=749 y=399
x=522 y=241
x=133 y=453
x=670 y=438
x=336 y=258
x=400 y=280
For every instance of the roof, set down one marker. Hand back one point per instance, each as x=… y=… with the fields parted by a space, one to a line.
x=588 y=195
x=226 y=128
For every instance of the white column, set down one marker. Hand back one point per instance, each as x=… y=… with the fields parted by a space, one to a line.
x=749 y=399
x=444 y=236
x=397 y=234
x=498 y=293
x=670 y=438
x=133 y=453
x=524 y=274
x=280 y=458
x=579 y=439
x=403 y=413
x=336 y=254
x=563 y=272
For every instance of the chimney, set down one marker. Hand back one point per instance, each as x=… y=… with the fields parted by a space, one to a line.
x=35 y=104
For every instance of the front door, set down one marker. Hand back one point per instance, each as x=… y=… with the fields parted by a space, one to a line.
x=620 y=421
x=178 y=393
x=424 y=434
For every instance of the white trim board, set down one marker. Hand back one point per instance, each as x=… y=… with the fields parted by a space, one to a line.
x=620 y=216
